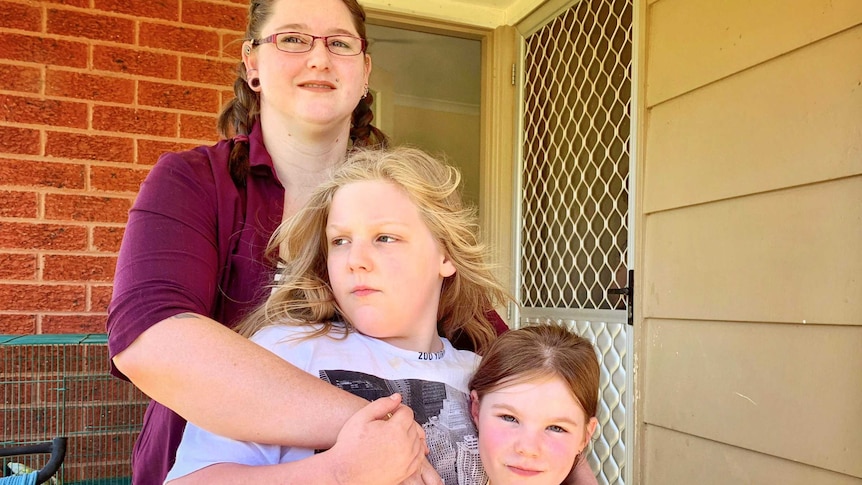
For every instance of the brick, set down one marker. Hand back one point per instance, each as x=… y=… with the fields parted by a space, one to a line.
x=64 y=207
x=91 y=389
x=38 y=423
x=17 y=267
x=173 y=96
x=21 y=78
x=39 y=360
x=208 y=71
x=60 y=298
x=231 y=45
x=100 y=298
x=90 y=147
x=20 y=16
x=23 y=141
x=179 y=39
x=90 y=26
x=41 y=50
x=117 y=179
x=43 y=111
x=72 y=3
x=131 y=61
x=198 y=128
x=18 y=204
x=73 y=324
x=88 y=86
x=214 y=15
x=149 y=151
x=41 y=174
x=161 y=9
x=140 y=121
x=61 y=267
x=18 y=325
x=21 y=235
x=107 y=239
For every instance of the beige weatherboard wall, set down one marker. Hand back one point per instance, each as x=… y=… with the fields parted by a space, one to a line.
x=751 y=240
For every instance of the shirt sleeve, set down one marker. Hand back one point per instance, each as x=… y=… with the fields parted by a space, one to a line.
x=168 y=261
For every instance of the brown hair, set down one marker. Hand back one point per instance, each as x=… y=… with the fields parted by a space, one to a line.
x=540 y=351
x=241 y=113
x=303 y=293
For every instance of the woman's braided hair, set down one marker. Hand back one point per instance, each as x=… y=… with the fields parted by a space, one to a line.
x=242 y=112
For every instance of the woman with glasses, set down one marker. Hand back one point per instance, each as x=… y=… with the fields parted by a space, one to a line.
x=192 y=260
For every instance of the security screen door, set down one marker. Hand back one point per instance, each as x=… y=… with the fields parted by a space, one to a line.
x=574 y=213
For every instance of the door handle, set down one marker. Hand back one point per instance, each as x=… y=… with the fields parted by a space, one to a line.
x=628 y=292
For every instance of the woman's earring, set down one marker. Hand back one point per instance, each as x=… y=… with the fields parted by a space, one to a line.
x=365 y=94
x=254 y=82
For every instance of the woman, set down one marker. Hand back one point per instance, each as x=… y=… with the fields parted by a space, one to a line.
x=192 y=260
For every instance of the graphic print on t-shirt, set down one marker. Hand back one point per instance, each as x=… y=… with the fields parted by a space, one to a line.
x=443 y=412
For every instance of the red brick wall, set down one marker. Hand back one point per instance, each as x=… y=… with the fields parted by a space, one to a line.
x=91 y=92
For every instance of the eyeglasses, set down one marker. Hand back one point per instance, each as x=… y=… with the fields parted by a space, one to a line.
x=297 y=43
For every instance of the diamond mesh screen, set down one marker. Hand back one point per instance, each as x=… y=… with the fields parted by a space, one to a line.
x=576 y=157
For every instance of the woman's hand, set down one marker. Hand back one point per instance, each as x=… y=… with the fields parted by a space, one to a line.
x=380 y=444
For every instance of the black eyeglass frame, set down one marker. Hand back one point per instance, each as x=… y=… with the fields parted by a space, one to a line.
x=271 y=39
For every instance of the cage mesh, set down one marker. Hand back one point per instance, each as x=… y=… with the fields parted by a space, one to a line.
x=59 y=385
x=576 y=157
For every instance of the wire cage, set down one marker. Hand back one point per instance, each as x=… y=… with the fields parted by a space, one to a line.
x=59 y=385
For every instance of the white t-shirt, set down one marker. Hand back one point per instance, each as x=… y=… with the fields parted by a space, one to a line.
x=433 y=385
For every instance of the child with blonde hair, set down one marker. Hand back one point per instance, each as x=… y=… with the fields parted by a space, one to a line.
x=381 y=270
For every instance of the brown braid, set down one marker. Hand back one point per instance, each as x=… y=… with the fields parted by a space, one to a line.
x=362 y=132
x=237 y=118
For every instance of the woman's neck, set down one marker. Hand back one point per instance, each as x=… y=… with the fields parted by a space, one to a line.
x=303 y=157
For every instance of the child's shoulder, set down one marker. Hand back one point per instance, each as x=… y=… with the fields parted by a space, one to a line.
x=465 y=357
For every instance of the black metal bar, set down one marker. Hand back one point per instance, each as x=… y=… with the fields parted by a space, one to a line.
x=57 y=449
x=629 y=293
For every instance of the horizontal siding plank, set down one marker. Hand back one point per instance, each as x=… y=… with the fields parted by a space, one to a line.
x=790 y=391
x=792 y=121
x=693 y=43
x=680 y=458
x=789 y=256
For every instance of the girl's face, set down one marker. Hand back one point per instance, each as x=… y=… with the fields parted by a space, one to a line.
x=385 y=267
x=316 y=87
x=530 y=431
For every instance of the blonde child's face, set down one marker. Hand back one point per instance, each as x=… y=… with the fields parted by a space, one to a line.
x=530 y=431
x=385 y=266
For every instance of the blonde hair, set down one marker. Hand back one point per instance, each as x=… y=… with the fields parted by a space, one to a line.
x=304 y=295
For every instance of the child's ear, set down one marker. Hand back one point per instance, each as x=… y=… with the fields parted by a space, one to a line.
x=591 y=428
x=474 y=407
x=447 y=267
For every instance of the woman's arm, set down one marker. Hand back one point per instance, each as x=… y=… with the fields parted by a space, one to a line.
x=229 y=385
x=371 y=449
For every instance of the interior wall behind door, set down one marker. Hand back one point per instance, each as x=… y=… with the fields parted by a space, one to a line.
x=427 y=94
